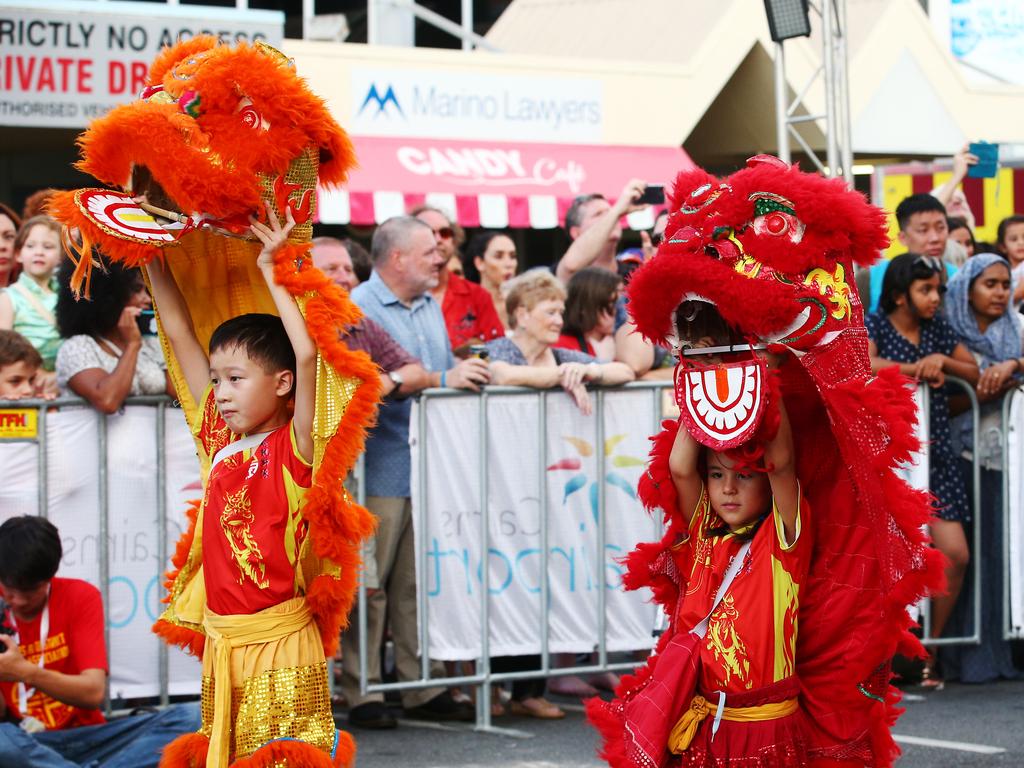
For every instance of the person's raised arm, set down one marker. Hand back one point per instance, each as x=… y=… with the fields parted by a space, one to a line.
x=177 y=324
x=585 y=249
x=683 y=464
x=274 y=238
x=962 y=162
x=781 y=463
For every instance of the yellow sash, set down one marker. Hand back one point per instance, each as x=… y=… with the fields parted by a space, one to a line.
x=235 y=631
x=684 y=731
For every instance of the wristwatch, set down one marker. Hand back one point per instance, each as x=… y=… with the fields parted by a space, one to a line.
x=397 y=378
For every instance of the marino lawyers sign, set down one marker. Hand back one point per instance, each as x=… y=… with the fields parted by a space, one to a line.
x=64 y=63
x=464 y=105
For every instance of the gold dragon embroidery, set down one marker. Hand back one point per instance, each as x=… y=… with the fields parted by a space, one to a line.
x=725 y=643
x=236 y=520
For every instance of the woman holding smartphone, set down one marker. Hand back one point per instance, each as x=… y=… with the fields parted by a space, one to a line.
x=110 y=350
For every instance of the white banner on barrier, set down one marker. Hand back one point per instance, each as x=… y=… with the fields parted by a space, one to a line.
x=1015 y=527
x=573 y=471
x=136 y=566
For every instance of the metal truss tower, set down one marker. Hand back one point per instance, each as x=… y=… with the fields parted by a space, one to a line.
x=833 y=71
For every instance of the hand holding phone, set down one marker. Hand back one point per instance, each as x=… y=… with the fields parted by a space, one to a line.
x=653 y=194
x=988 y=160
x=146 y=320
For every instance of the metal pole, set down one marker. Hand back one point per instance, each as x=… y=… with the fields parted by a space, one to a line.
x=308 y=12
x=843 y=83
x=1007 y=410
x=104 y=549
x=161 y=536
x=828 y=58
x=781 y=127
x=483 y=696
x=43 y=464
x=362 y=616
x=545 y=586
x=467 y=25
x=420 y=539
x=602 y=618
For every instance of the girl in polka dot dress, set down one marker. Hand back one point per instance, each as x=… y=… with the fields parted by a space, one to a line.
x=908 y=331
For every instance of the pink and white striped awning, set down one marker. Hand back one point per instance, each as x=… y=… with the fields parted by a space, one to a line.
x=490 y=184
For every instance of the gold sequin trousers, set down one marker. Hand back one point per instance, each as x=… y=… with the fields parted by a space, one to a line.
x=264 y=678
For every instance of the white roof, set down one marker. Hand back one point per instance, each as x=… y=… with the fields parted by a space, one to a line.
x=908 y=96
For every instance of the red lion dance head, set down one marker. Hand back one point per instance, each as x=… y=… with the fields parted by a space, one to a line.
x=766 y=257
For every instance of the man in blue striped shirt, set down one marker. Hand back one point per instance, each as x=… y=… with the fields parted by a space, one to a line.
x=406 y=266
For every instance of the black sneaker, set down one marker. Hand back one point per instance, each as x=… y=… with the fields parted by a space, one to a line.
x=373 y=715
x=443 y=707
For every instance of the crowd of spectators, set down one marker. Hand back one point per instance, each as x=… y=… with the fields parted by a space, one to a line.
x=437 y=317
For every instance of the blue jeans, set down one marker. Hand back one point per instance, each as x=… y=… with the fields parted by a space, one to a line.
x=128 y=742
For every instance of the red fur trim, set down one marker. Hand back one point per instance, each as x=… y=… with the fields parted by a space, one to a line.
x=607 y=716
x=656 y=490
x=188 y=751
x=294 y=754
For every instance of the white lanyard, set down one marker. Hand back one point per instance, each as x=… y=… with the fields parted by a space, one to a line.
x=24 y=694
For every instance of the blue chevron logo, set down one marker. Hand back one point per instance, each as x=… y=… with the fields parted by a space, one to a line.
x=373 y=97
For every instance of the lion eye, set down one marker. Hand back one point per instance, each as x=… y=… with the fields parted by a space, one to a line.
x=776 y=224
x=250 y=117
x=775 y=216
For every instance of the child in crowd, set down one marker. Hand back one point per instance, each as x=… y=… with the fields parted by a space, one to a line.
x=908 y=331
x=19 y=364
x=28 y=305
x=256 y=392
x=742 y=505
x=1010 y=242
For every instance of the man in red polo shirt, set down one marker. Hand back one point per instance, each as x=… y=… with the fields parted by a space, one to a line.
x=469 y=313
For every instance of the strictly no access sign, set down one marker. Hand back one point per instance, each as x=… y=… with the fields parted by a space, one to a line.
x=63 y=64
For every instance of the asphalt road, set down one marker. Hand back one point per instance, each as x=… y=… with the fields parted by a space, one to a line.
x=971 y=726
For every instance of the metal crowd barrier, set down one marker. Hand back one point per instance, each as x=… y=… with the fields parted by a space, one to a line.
x=976 y=543
x=483 y=677
x=41 y=408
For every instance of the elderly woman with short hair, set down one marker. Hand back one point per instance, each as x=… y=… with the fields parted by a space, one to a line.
x=535 y=301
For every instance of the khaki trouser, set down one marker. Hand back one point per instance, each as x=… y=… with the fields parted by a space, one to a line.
x=394 y=601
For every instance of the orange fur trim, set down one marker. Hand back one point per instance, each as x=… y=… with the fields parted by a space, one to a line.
x=187 y=639
x=181 y=152
x=172 y=54
x=337 y=524
x=294 y=754
x=188 y=751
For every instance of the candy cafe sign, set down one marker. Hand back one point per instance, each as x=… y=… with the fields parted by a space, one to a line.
x=64 y=63
x=477 y=166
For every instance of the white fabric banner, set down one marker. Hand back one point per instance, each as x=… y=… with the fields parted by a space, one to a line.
x=1015 y=527
x=137 y=569
x=573 y=472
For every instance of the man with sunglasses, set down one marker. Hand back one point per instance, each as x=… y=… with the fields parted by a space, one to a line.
x=469 y=314
x=53 y=667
